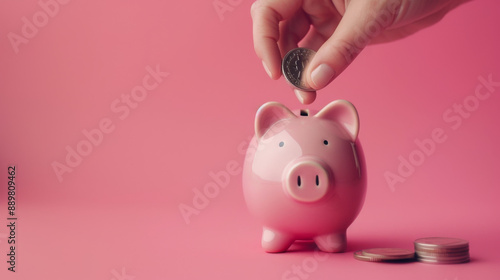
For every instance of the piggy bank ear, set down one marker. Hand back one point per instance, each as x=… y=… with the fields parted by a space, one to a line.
x=343 y=113
x=268 y=114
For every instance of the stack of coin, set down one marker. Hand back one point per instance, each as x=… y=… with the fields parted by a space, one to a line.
x=442 y=250
x=384 y=255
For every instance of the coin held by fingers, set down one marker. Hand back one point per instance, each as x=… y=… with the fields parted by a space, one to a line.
x=294 y=65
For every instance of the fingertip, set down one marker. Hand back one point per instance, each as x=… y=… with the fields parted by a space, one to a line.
x=267 y=69
x=305 y=97
x=321 y=76
x=272 y=68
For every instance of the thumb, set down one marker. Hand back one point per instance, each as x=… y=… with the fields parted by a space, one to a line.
x=362 y=21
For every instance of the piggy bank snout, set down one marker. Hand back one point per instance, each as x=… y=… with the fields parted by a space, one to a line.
x=306 y=180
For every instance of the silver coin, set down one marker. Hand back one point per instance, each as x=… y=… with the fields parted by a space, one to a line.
x=360 y=256
x=389 y=253
x=442 y=254
x=444 y=261
x=442 y=250
x=441 y=243
x=293 y=66
x=443 y=258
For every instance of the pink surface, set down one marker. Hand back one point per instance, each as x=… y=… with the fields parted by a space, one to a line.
x=92 y=79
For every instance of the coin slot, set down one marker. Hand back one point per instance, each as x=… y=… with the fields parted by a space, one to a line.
x=304 y=113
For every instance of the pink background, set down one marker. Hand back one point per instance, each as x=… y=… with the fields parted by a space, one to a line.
x=116 y=214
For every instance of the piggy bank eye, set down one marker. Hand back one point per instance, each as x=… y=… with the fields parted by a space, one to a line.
x=325 y=142
x=281 y=144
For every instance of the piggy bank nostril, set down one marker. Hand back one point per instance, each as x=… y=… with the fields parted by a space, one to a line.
x=317 y=180
x=298 y=181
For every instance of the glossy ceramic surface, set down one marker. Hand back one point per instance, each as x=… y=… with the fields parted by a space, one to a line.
x=304 y=176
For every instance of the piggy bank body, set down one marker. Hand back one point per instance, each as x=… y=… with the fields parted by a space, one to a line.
x=304 y=176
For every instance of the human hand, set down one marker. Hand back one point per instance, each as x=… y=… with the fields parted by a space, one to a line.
x=338 y=29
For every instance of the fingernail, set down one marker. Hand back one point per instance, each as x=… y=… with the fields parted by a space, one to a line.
x=267 y=69
x=305 y=97
x=322 y=75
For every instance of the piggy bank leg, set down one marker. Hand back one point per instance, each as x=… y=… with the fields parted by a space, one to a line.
x=274 y=241
x=332 y=243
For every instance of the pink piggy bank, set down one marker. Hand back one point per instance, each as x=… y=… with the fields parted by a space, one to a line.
x=304 y=176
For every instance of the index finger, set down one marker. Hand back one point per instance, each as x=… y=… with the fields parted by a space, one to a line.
x=266 y=16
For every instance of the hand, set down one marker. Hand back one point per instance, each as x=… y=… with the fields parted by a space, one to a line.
x=337 y=29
